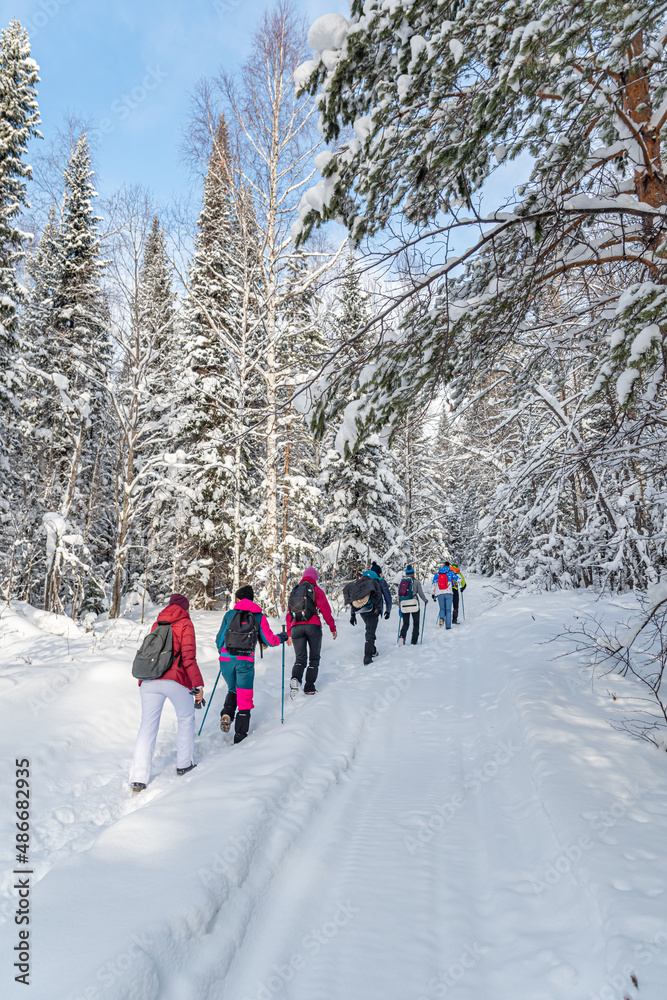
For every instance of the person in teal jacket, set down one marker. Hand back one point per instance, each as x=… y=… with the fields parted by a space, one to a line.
x=238 y=669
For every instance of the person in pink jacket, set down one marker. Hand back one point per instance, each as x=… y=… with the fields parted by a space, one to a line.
x=238 y=666
x=305 y=630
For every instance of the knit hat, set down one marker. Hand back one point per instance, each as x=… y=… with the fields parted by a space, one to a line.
x=376 y=569
x=409 y=570
x=181 y=600
x=245 y=593
x=311 y=573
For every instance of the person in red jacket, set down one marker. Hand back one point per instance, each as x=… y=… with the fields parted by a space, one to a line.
x=307 y=638
x=178 y=684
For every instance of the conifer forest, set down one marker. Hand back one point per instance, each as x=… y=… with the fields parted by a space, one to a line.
x=418 y=309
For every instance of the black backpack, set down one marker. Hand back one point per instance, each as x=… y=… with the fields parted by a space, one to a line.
x=301 y=603
x=242 y=634
x=358 y=592
x=156 y=653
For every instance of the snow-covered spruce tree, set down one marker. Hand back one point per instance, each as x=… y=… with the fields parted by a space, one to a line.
x=19 y=119
x=434 y=502
x=439 y=95
x=363 y=522
x=142 y=391
x=79 y=360
x=222 y=391
x=302 y=350
x=364 y=497
x=35 y=463
x=158 y=527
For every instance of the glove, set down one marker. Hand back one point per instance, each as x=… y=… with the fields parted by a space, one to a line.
x=353 y=619
x=283 y=635
x=464 y=586
x=386 y=614
x=435 y=599
x=198 y=704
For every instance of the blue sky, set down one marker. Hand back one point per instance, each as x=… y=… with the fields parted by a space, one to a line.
x=129 y=66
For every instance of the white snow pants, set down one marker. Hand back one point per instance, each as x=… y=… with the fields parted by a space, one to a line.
x=153 y=694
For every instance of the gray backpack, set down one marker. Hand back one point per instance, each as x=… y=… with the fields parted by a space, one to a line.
x=155 y=655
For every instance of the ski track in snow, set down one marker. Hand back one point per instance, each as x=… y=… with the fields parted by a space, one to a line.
x=457 y=819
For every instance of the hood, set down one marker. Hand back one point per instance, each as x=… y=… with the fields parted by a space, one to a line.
x=310 y=575
x=173 y=613
x=370 y=573
x=245 y=605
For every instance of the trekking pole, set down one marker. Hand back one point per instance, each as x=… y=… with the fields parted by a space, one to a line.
x=423 y=623
x=399 y=624
x=209 y=702
x=282 y=698
x=463 y=606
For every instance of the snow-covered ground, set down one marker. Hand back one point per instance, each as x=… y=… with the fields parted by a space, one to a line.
x=459 y=819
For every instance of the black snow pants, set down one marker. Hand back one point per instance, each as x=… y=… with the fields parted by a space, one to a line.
x=405 y=624
x=371 y=622
x=305 y=639
x=455 y=605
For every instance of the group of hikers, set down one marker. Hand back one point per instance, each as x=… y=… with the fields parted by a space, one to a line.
x=166 y=663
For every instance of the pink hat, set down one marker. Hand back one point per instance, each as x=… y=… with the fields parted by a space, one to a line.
x=311 y=574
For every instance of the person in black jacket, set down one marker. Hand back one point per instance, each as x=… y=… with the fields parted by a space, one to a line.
x=386 y=593
x=370 y=612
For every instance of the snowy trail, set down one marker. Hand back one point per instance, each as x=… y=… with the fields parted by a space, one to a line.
x=470 y=826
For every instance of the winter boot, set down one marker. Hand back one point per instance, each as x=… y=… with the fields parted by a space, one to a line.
x=242 y=725
x=184 y=770
x=294 y=686
x=441 y=622
x=137 y=786
x=228 y=711
x=311 y=677
x=367 y=660
x=401 y=641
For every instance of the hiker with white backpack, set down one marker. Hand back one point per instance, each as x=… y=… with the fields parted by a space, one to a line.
x=410 y=591
x=306 y=603
x=166 y=667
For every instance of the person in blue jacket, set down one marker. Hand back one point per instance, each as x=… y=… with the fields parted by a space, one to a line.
x=386 y=593
x=443 y=591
